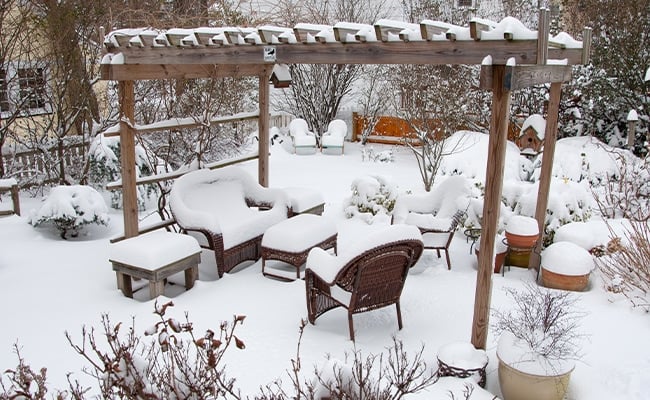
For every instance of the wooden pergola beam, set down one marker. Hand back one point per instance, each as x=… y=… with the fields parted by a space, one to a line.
x=126 y=72
x=523 y=76
x=179 y=60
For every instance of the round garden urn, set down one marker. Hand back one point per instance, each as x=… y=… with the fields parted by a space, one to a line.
x=526 y=375
x=566 y=266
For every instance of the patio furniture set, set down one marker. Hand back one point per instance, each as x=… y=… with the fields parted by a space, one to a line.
x=226 y=211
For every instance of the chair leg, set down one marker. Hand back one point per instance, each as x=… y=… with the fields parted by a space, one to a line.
x=351 y=326
x=448 y=260
x=438 y=252
x=399 y=315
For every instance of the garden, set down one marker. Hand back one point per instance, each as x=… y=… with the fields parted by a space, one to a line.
x=57 y=293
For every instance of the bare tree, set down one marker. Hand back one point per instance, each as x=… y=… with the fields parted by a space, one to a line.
x=317 y=91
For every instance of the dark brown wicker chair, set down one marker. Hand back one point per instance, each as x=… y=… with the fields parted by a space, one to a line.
x=228 y=212
x=369 y=276
x=438 y=239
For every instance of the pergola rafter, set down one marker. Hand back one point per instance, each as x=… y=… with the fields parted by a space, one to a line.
x=511 y=58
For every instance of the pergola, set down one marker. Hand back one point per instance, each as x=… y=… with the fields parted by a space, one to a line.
x=511 y=57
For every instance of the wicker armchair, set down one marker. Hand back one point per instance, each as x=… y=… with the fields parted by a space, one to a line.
x=228 y=212
x=437 y=232
x=368 y=276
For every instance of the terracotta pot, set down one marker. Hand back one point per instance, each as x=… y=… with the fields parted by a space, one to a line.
x=518 y=385
x=553 y=280
x=499 y=259
x=521 y=241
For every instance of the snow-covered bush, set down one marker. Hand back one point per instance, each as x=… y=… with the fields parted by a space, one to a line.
x=104 y=155
x=70 y=208
x=371 y=195
x=568 y=201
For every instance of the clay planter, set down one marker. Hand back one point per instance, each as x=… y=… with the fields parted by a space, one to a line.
x=522 y=234
x=499 y=259
x=566 y=266
x=519 y=385
x=521 y=241
x=576 y=283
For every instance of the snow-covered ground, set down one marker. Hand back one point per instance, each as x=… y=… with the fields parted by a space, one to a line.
x=49 y=286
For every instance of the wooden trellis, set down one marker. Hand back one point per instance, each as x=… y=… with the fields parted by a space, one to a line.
x=511 y=57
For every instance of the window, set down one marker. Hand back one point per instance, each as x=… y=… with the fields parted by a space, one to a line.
x=31 y=83
x=466 y=3
x=4 y=91
x=23 y=88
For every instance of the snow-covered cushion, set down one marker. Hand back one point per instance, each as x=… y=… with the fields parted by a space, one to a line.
x=215 y=200
x=327 y=266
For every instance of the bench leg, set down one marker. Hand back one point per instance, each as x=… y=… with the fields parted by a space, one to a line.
x=156 y=288
x=124 y=284
x=191 y=275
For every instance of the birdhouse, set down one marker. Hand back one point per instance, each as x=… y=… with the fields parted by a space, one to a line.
x=281 y=77
x=531 y=137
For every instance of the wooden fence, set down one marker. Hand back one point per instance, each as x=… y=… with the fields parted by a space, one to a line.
x=36 y=167
x=393 y=130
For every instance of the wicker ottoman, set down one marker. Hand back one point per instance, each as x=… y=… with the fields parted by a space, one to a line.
x=290 y=241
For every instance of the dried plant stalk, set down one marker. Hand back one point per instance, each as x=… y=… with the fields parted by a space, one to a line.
x=626 y=269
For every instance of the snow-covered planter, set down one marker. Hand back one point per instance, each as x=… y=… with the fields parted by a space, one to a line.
x=538 y=343
x=70 y=208
x=522 y=231
x=371 y=195
x=462 y=360
x=566 y=266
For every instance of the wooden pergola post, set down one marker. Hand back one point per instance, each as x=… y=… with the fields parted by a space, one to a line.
x=263 y=128
x=543 y=191
x=492 y=202
x=127 y=151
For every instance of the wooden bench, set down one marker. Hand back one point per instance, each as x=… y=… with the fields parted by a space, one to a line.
x=155 y=257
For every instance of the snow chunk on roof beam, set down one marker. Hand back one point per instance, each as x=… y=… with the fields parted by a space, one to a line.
x=436 y=30
x=270 y=34
x=389 y=30
x=509 y=29
x=564 y=41
x=307 y=33
x=350 y=32
x=479 y=25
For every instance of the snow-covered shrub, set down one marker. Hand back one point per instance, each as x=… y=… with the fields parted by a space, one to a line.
x=70 y=208
x=368 y=153
x=568 y=201
x=626 y=194
x=105 y=167
x=371 y=195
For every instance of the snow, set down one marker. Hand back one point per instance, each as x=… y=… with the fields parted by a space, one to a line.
x=509 y=25
x=298 y=233
x=593 y=233
x=50 y=286
x=632 y=115
x=153 y=250
x=327 y=266
x=516 y=353
x=522 y=225
x=462 y=355
x=567 y=258
x=8 y=182
x=567 y=41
